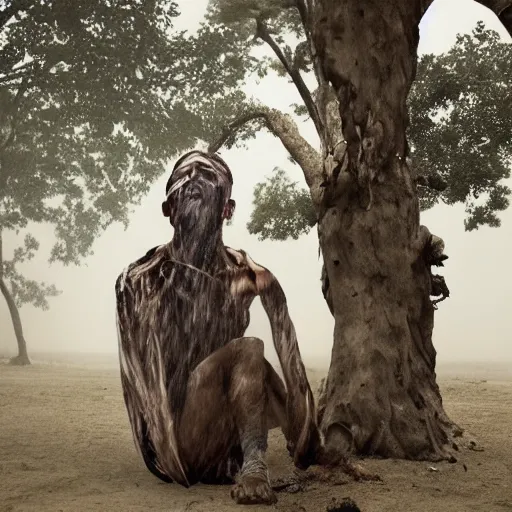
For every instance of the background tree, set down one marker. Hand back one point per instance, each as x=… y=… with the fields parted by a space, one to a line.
x=84 y=126
x=381 y=395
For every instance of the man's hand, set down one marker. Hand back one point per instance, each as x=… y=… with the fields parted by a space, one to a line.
x=306 y=448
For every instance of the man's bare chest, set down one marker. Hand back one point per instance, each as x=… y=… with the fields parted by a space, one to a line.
x=172 y=301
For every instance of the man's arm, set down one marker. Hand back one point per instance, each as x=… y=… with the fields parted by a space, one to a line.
x=303 y=434
x=150 y=418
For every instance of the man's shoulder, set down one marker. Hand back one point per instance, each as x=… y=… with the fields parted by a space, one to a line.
x=136 y=266
x=243 y=260
x=254 y=275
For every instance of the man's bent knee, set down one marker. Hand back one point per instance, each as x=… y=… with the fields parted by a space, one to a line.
x=250 y=345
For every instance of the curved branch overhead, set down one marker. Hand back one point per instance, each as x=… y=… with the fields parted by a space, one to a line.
x=232 y=129
x=423 y=6
x=286 y=130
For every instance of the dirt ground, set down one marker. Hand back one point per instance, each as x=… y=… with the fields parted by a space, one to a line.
x=66 y=446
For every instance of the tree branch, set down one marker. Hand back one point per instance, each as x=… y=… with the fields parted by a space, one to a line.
x=232 y=128
x=433 y=181
x=306 y=8
x=283 y=127
x=305 y=16
x=502 y=9
x=308 y=158
x=263 y=33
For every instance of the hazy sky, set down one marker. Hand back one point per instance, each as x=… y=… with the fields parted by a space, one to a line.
x=471 y=325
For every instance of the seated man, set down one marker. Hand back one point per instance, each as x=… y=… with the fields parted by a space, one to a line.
x=200 y=396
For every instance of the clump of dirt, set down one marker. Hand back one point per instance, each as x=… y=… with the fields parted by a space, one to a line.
x=347 y=505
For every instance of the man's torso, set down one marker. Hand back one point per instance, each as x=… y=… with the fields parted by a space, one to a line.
x=183 y=309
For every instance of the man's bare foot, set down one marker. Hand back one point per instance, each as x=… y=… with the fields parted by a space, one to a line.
x=253 y=489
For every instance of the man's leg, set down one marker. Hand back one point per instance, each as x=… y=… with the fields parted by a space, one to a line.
x=276 y=399
x=227 y=406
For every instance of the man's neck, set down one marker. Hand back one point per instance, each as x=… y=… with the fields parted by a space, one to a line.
x=203 y=252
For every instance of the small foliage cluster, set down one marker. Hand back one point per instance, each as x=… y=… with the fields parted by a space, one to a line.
x=285 y=209
x=461 y=124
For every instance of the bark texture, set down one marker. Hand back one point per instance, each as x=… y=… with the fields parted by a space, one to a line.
x=22 y=357
x=381 y=395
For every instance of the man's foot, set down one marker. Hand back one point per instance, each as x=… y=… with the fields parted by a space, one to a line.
x=253 y=489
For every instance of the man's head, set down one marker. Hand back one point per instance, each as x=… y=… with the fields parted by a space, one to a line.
x=199 y=189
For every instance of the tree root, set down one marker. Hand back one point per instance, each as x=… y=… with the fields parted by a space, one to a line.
x=340 y=474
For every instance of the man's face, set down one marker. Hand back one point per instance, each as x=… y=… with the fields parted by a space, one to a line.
x=198 y=194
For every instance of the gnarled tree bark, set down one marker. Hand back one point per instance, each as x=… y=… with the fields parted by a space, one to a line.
x=22 y=357
x=381 y=395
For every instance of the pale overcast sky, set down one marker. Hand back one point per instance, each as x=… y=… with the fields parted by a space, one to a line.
x=471 y=325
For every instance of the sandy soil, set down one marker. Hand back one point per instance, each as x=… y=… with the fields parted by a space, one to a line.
x=66 y=446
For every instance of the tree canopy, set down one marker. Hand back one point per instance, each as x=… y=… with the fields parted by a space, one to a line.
x=85 y=128
x=460 y=136
x=95 y=99
x=284 y=208
x=461 y=124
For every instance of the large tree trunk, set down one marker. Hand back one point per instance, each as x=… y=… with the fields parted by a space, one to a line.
x=22 y=357
x=381 y=395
